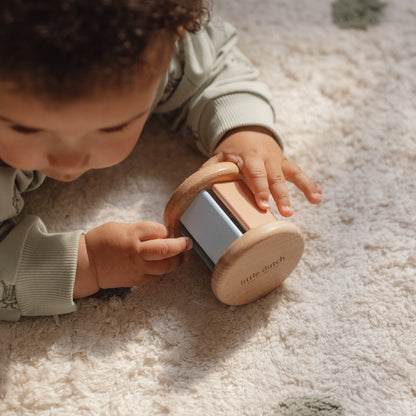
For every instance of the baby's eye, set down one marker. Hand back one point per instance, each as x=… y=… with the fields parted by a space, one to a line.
x=114 y=129
x=23 y=129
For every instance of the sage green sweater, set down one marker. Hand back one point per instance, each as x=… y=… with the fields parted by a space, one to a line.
x=210 y=88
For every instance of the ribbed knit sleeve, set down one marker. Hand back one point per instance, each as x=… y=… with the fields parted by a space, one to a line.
x=213 y=88
x=45 y=275
x=37 y=268
x=229 y=112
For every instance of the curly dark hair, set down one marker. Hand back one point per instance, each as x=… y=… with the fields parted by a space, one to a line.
x=61 y=49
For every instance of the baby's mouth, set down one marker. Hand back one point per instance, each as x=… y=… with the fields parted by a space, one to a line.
x=62 y=176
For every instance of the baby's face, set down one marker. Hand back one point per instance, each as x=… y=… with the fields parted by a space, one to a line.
x=63 y=141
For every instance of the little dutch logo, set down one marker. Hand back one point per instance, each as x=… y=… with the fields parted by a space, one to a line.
x=265 y=269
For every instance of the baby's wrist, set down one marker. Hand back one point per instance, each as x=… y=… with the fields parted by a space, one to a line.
x=249 y=130
x=248 y=138
x=85 y=278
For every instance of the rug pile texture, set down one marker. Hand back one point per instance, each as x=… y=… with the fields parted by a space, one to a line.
x=343 y=325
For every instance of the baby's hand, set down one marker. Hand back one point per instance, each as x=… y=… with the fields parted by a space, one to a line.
x=266 y=169
x=124 y=255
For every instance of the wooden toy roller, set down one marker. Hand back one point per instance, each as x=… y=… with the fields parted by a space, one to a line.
x=249 y=250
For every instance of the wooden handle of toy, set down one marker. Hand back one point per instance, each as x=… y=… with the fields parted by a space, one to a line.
x=202 y=179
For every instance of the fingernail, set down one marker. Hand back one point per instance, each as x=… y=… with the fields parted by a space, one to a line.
x=264 y=203
x=287 y=209
x=189 y=243
x=317 y=195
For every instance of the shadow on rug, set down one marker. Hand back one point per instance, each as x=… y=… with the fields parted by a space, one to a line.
x=310 y=406
x=356 y=14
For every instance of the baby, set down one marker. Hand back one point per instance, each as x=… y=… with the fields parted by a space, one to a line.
x=78 y=81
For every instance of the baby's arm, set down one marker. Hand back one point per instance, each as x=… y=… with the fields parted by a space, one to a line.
x=262 y=162
x=124 y=255
x=37 y=268
x=228 y=114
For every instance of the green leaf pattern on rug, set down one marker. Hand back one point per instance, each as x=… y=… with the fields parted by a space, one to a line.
x=310 y=406
x=356 y=14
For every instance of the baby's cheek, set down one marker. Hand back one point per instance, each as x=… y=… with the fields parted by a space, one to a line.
x=20 y=158
x=119 y=150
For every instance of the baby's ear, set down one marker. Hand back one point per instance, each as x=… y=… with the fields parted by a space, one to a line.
x=180 y=31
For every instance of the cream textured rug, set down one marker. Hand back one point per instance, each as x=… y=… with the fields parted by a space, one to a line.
x=343 y=326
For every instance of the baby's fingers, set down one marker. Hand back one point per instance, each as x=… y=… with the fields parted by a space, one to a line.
x=217 y=158
x=279 y=190
x=256 y=175
x=162 y=267
x=297 y=176
x=164 y=248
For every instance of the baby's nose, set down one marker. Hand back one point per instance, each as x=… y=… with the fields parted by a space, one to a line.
x=68 y=160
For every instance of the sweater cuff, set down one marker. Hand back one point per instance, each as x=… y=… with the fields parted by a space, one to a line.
x=46 y=275
x=234 y=111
